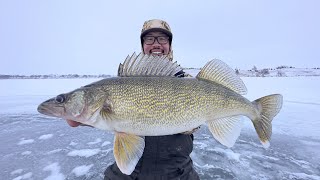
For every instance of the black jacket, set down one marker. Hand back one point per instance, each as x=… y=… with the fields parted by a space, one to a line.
x=164 y=158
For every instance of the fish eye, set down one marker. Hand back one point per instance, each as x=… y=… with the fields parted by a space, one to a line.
x=60 y=98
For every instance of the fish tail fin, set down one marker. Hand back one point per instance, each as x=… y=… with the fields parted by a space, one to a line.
x=268 y=107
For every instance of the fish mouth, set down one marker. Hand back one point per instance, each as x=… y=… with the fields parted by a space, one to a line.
x=43 y=110
x=48 y=111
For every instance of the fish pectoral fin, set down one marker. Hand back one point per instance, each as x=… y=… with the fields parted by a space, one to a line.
x=226 y=130
x=107 y=109
x=127 y=151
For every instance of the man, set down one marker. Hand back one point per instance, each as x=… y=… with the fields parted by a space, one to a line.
x=164 y=157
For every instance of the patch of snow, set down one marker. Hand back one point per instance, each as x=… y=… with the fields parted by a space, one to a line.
x=18 y=171
x=205 y=166
x=303 y=176
x=25 y=176
x=270 y=158
x=54 y=151
x=84 y=152
x=73 y=143
x=46 y=136
x=25 y=141
x=105 y=143
x=98 y=140
x=310 y=143
x=229 y=153
x=55 y=174
x=201 y=145
x=107 y=150
x=81 y=170
x=26 y=153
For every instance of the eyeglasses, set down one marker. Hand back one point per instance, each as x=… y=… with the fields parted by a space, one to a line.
x=148 y=40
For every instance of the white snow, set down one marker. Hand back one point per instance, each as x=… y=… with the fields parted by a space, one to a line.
x=25 y=176
x=82 y=170
x=46 y=136
x=200 y=145
x=54 y=151
x=98 y=140
x=105 y=143
x=17 y=171
x=228 y=153
x=25 y=141
x=73 y=143
x=84 y=152
x=26 y=153
x=310 y=143
x=106 y=151
x=55 y=174
x=303 y=176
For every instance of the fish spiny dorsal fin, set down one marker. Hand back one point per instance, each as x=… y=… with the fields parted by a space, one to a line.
x=120 y=68
x=219 y=72
x=148 y=65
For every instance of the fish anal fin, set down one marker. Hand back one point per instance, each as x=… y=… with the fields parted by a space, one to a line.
x=127 y=151
x=226 y=130
x=219 y=72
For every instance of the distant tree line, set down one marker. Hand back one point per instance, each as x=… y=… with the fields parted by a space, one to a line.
x=52 y=76
x=283 y=67
x=255 y=72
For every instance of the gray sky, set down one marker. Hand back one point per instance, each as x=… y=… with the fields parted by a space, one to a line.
x=93 y=37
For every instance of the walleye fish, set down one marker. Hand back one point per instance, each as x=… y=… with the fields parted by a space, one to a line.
x=147 y=100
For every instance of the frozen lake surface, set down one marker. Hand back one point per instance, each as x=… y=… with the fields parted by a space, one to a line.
x=37 y=147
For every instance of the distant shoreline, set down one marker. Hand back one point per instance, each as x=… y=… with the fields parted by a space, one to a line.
x=73 y=76
x=283 y=71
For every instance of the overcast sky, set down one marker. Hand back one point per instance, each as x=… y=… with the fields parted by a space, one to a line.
x=93 y=37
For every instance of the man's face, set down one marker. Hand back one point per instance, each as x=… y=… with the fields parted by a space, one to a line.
x=156 y=43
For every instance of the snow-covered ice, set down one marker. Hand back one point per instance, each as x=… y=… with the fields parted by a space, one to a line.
x=24 y=176
x=82 y=170
x=17 y=171
x=25 y=141
x=105 y=143
x=55 y=174
x=34 y=146
x=84 y=152
x=46 y=136
x=26 y=153
x=98 y=140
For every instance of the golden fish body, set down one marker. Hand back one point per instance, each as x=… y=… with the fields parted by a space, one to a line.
x=147 y=100
x=152 y=106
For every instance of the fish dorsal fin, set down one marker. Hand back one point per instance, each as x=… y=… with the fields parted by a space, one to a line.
x=219 y=72
x=148 y=65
